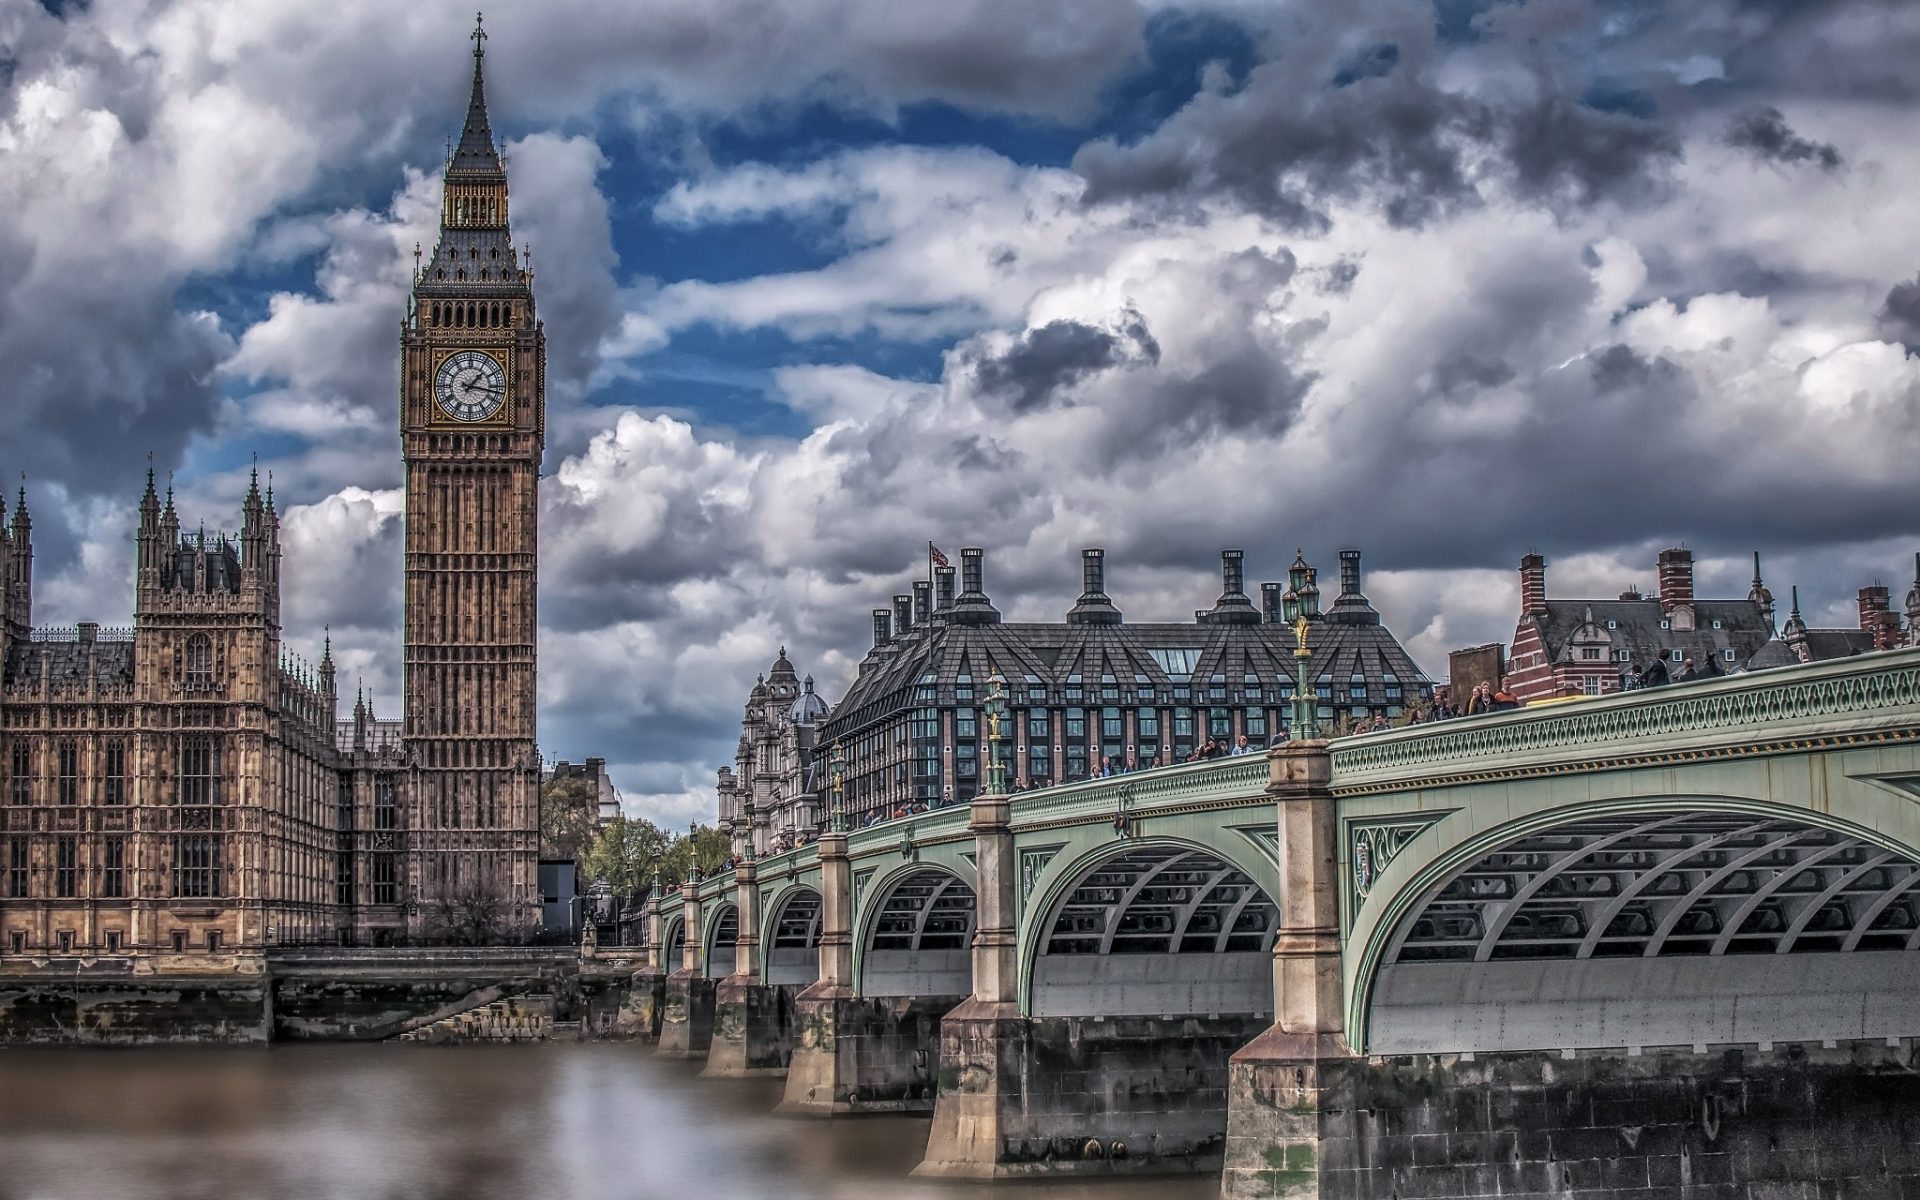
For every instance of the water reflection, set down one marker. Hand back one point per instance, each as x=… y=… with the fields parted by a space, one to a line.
x=580 y=1122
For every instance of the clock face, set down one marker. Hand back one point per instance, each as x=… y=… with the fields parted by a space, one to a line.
x=470 y=385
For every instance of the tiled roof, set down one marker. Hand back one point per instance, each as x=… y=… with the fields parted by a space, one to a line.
x=68 y=662
x=1051 y=654
x=1635 y=626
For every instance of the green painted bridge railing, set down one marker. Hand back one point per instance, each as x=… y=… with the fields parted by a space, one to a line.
x=1865 y=695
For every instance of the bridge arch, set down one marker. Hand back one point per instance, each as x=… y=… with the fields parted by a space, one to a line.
x=673 y=941
x=722 y=932
x=1650 y=921
x=1149 y=926
x=790 y=944
x=915 y=933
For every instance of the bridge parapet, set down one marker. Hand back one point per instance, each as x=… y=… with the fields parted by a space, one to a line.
x=1865 y=698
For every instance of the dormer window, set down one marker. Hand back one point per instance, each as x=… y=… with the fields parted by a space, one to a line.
x=1612 y=624
x=1665 y=623
x=1716 y=622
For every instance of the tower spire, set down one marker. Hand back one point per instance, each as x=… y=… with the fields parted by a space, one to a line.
x=475 y=154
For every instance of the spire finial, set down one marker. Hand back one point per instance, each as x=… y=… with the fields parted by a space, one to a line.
x=479 y=35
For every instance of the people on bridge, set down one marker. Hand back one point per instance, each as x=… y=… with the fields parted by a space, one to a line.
x=1655 y=674
x=1504 y=700
x=1132 y=764
x=1241 y=745
x=1688 y=672
x=1481 y=701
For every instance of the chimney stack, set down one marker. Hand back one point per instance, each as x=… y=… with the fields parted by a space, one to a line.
x=922 y=602
x=1270 y=602
x=943 y=589
x=1350 y=607
x=1676 y=578
x=1233 y=607
x=1876 y=616
x=1349 y=572
x=971 y=606
x=1676 y=587
x=902 y=613
x=1094 y=606
x=1533 y=585
x=882 y=627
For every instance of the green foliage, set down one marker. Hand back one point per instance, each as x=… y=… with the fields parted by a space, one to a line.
x=569 y=817
x=628 y=853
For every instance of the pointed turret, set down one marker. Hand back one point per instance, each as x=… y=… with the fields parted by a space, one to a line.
x=326 y=663
x=1762 y=598
x=1794 y=632
x=1913 y=605
x=19 y=580
x=475 y=153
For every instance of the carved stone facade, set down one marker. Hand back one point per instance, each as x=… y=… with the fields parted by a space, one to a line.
x=473 y=425
x=183 y=793
x=776 y=790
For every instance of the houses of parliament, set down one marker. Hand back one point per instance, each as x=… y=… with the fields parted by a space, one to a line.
x=182 y=790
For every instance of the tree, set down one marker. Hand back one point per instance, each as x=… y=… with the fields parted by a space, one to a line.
x=627 y=854
x=471 y=914
x=569 y=816
x=706 y=846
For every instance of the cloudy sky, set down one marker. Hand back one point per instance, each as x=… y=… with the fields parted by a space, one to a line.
x=1450 y=280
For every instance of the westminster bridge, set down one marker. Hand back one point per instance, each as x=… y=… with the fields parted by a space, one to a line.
x=1661 y=943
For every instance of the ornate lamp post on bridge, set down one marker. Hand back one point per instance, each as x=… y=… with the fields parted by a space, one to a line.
x=837 y=814
x=995 y=707
x=1306 y=706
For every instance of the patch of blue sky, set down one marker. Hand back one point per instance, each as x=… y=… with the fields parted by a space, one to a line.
x=726 y=378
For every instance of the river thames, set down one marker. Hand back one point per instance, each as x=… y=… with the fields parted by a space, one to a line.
x=385 y=1122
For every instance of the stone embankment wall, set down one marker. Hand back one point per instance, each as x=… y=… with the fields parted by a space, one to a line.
x=79 y=1008
x=521 y=1019
x=308 y=995
x=1793 y=1120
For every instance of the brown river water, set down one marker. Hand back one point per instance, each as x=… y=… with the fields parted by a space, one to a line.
x=388 y=1122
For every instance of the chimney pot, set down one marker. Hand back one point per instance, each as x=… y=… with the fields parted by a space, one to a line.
x=943 y=589
x=922 y=602
x=1094 y=607
x=1270 y=602
x=1676 y=578
x=1349 y=572
x=1533 y=584
x=882 y=627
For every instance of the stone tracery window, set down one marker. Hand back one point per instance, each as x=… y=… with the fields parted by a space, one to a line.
x=199 y=670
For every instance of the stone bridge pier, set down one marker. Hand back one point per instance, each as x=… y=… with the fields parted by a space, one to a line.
x=686 y=1007
x=752 y=1015
x=646 y=991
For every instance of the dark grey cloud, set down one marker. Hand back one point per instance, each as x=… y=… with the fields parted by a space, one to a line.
x=1765 y=134
x=1900 y=315
x=1399 y=127
x=1044 y=362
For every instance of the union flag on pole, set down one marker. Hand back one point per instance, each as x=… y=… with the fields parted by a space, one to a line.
x=939 y=559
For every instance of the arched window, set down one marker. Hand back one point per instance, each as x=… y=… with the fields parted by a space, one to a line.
x=199 y=672
x=460 y=275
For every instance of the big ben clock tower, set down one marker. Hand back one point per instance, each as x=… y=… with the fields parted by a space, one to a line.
x=472 y=425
